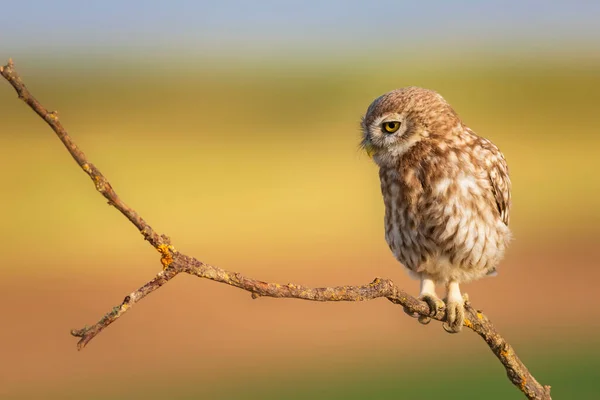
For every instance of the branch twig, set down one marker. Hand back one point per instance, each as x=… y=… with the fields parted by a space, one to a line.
x=174 y=263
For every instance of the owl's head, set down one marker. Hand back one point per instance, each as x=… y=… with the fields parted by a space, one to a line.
x=398 y=120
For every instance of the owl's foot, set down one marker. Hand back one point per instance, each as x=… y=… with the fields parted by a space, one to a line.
x=435 y=304
x=455 y=309
x=455 y=317
x=428 y=296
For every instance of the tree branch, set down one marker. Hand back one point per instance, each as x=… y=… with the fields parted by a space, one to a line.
x=175 y=263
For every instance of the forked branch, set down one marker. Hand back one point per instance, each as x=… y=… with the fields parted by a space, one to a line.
x=174 y=263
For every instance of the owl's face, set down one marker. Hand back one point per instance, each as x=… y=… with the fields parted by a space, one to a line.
x=399 y=119
x=387 y=136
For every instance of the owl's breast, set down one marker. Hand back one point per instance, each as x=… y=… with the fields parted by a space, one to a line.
x=444 y=226
x=404 y=221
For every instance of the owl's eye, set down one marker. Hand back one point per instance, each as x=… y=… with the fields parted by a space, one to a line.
x=390 y=126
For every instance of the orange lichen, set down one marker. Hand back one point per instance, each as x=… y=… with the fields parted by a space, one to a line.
x=468 y=323
x=480 y=316
x=99 y=182
x=523 y=383
x=167 y=254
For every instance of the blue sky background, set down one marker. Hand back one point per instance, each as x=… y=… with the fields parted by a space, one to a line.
x=264 y=26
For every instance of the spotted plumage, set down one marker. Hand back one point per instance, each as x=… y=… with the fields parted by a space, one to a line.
x=446 y=193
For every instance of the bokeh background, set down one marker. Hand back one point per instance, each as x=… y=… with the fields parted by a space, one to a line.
x=233 y=127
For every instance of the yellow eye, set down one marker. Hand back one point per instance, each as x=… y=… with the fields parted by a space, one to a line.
x=391 y=126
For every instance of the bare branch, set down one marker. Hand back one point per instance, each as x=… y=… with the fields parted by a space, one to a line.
x=174 y=263
x=87 y=333
x=101 y=183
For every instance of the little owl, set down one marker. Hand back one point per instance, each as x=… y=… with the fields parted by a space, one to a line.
x=446 y=193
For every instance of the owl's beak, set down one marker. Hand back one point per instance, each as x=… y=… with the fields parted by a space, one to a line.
x=368 y=146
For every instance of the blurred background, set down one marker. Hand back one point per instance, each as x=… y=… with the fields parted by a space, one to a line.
x=232 y=127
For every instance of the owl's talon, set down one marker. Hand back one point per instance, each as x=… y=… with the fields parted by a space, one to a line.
x=410 y=314
x=435 y=304
x=423 y=319
x=455 y=317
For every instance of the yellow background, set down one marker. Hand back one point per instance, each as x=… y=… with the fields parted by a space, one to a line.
x=255 y=167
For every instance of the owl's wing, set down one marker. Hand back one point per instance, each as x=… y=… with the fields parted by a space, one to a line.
x=500 y=181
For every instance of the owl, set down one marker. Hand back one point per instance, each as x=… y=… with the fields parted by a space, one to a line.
x=446 y=192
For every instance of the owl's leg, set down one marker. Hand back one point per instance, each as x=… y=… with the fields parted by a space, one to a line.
x=429 y=296
x=455 y=309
